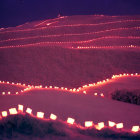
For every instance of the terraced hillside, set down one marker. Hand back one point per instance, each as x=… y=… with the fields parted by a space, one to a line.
x=70 y=51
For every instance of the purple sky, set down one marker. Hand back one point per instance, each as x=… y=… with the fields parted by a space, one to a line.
x=15 y=12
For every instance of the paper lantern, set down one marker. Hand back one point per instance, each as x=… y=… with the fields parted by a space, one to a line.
x=100 y=125
x=70 y=120
x=40 y=114
x=88 y=123
x=135 y=128
x=29 y=110
x=20 y=108
x=4 y=113
x=84 y=92
x=119 y=125
x=111 y=124
x=12 y=111
x=95 y=94
x=53 y=117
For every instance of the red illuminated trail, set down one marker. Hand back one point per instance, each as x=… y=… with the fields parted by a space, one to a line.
x=65 y=69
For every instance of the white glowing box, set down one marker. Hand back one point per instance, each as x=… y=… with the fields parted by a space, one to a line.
x=100 y=125
x=12 y=111
x=70 y=120
x=53 y=117
x=40 y=114
x=119 y=125
x=135 y=128
x=84 y=92
x=29 y=110
x=4 y=113
x=111 y=124
x=88 y=123
x=20 y=108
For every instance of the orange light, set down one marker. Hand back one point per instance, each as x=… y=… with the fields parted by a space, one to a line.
x=135 y=128
x=84 y=92
x=119 y=125
x=88 y=123
x=102 y=95
x=111 y=124
x=12 y=111
x=95 y=94
x=40 y=114
x=29 y=110
x=100 y=125
x=53 y=117
x=70 y=120
x=4 y=113
x=20 y=108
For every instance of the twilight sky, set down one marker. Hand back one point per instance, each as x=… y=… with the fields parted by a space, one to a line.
x=16 y=12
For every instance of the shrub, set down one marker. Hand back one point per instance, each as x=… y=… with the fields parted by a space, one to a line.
x=129 y=96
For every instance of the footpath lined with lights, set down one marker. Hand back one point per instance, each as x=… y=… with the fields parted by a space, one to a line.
x=73 y=25
x=81 y=89
x=70 y=121
x=74 y=34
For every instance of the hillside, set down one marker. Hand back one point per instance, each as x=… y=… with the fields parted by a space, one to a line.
x=58 y=65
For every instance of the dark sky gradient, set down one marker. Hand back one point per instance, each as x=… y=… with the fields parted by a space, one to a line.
x=16 y=12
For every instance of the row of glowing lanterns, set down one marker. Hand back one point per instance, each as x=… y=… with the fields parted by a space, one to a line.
x=59 y=26
x=71 y=121
x=56 y=35
x=83 y=88
x=106 y=47
x=77 y=42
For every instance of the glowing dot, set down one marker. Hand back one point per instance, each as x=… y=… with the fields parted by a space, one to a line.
x=135 y=128
x=131 y=74
x=46 y=87
x=50 y=86
x=119 y=125
x=3 y=93
x=40 y=114
x=16 y=92
x=102 y=95
x=70 y=120
x=20 y=108
x=4 y=113
x=84 y=92
x=29 y=110
x=88 y=123
x=7 y=82
x=9 y=92
x=100 y=125
x=13 y=111
x=53 y=117
x=95 y=94
x=136 y=74
x=111 y=124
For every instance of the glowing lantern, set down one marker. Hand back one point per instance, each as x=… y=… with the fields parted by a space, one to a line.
x=40 y=114
x=74 y=89
x=20 y=108
x=135 y=128
x=111 y=124
x=88 y=123
x=46 y=87
x=131 y=74
x=84 y=92
x=4 y=113
x=53 y=117
x=40 y=86
x=102 y=95
x=16 y=92
x=100 y=125
x=136 y=74
x=70 y=120
x=9 y=92
x=12 y=111
x=119 y=125
x=3 y=93
x=95 y=94
x=7 y=82
x=29 y=110
x=50 y=86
